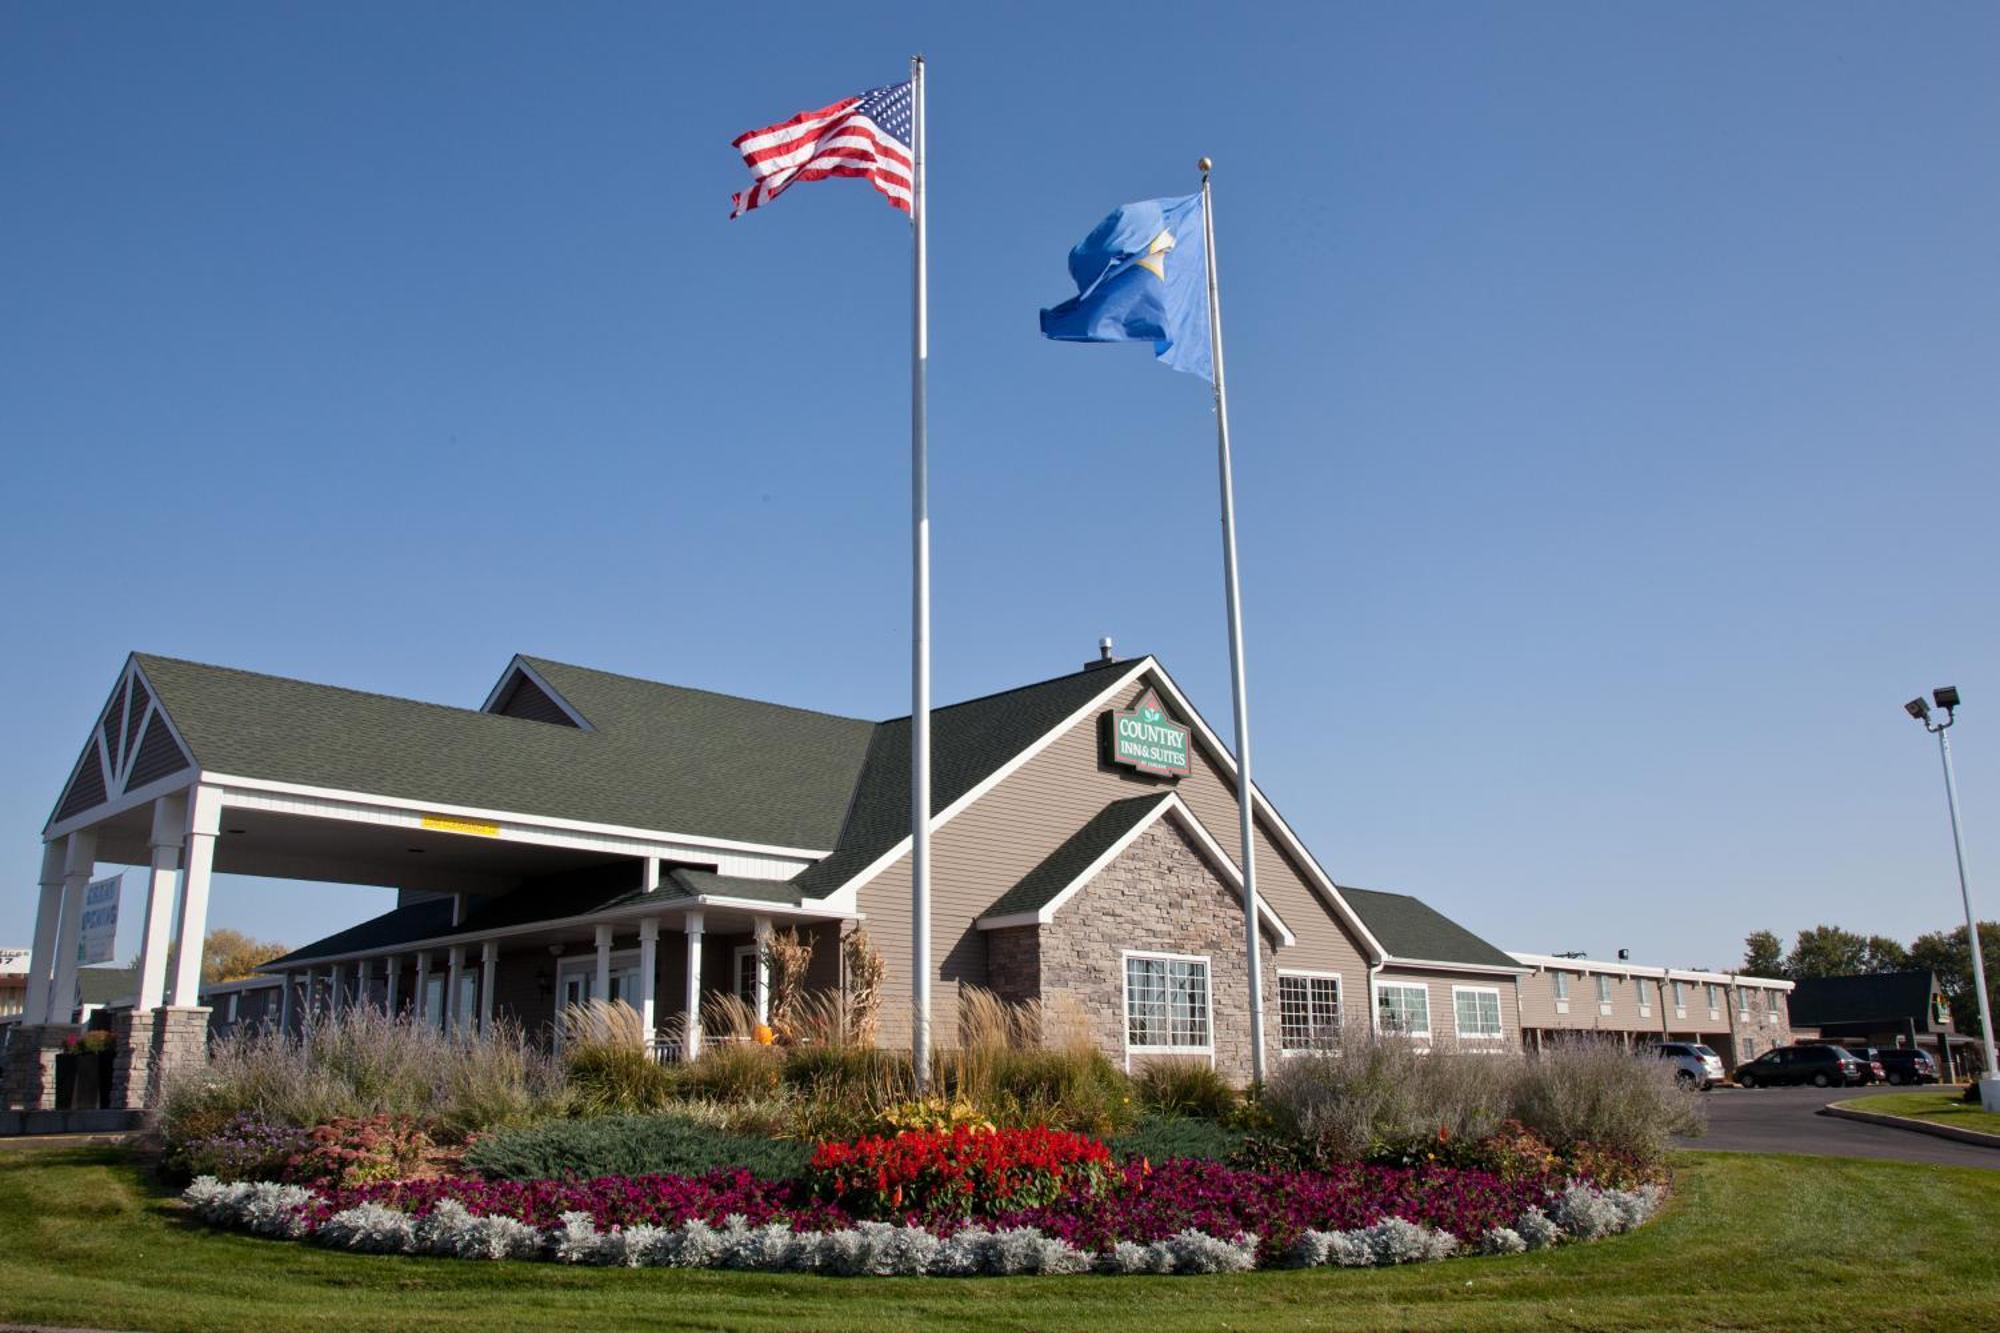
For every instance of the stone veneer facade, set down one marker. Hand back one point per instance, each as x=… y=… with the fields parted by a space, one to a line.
x=1160 y=895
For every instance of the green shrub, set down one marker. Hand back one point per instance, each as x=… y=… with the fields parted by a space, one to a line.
x=732 y=1071
x=1163 y=1138
x=629 y=1146
x=1185 y=1088
x=616 y=1080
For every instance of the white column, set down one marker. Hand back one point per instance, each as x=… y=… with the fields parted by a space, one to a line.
x=422 y=999
x=601 y=987
x=332 y=990
x=285 y=1001
x=649 y=962
x=761 y=932
x=649 y=875
x=454 y=983
x=489 y=974
x=691 y=1000
x=79 y=858
x=204 y=822
x=48 y=918
x=392 y=984
x=169 y=831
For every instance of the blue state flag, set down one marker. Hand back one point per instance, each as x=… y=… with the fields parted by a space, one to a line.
x=1142 y=276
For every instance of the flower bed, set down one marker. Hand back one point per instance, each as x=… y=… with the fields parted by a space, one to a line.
x=1184 y=1217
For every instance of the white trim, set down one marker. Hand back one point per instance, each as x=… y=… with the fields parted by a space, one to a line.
x=1309 y=974
x=1170 y=804
x=1125 y=956
x=649 y=837
x=1546 y=962
x=1435 y=965
x=1385 y=983
x=541 y=683
x=117 y=799
x=1499 y=1013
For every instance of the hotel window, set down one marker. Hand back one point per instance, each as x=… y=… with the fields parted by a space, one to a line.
x=1640 y=987
x=1777 y=1005
x=1603 y=989
x=746 y=975
x=1166 y=1003
x=1714 y=999
x=1404 y=1009
x=1562 y=985
x=1680 y=995
x=1477 y=1011
x=1308 y=1011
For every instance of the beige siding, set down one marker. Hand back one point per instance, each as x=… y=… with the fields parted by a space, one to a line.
x=999 y=838
x=1444 y=1010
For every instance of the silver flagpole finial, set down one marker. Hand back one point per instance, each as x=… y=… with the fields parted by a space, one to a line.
x=1206 y=165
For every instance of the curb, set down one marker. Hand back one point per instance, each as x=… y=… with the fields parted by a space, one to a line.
x=1839 y=1110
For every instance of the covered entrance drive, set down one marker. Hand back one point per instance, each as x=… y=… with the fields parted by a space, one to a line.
x=503 y=909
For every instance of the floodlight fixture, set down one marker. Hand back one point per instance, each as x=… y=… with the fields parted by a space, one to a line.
x=1918 y=709
x=1945 y=696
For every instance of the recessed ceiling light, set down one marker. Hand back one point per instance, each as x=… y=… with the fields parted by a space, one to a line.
x=233 y=830
x=416 y=851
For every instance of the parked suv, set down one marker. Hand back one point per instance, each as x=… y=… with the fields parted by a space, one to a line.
x=1905 y=1064
x=1694 y=1065
x=1821 y=1066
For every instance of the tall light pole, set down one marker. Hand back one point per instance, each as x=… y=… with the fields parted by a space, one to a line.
x=1946 y=698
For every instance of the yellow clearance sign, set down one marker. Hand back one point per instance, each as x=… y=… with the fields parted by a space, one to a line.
x=472 y=826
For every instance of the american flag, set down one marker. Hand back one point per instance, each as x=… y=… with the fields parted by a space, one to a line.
x=867 y=136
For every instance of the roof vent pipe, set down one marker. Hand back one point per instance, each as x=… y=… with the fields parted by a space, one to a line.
x=1104 y=657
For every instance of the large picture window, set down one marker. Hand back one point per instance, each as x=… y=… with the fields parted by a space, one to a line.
x=1477 y=1011
x=1308 y=1011
x=1402 y=1008
x=1166 y=1003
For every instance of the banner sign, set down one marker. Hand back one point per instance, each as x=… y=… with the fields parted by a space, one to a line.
x=1147 y=739
x=98 y=938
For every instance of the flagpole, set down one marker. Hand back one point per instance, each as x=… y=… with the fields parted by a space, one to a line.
x=1239 y=692
x=920 y=610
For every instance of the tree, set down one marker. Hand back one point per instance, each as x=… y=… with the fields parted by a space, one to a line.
x=1763 y=954
x=1885 y=955
x=1826 y=951
x=230 y=955
x=1946 y=953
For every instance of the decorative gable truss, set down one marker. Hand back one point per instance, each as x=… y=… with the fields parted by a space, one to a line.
x=523 y=693
x=134 y=745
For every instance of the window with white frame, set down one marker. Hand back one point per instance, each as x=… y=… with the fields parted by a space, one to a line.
x=1476 y=1010
x=1562 y=984
x=1643 y=989
x=1777 y=1002
x=1714 y=998
x=1166 y=1003
x=1308 y=1011
x=1680 y=995
x=746 y=974
x=1603 y=989
x=1403 y=1008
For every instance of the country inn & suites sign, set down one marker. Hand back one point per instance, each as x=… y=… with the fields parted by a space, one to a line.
x=1147 y=739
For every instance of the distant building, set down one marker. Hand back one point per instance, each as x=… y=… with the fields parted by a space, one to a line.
x=13 y=983
x=1886 y=1009
x=1740 y=1017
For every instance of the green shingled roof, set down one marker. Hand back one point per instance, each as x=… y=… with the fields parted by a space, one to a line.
x=969 y=741
x=425 y=920
x=657 y=757
x=1059 y=869
x=1409 y=929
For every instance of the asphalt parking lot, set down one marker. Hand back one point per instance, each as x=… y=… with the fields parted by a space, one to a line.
x=1785 y=1120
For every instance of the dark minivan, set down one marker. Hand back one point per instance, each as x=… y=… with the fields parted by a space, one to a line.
x=1821 y=1066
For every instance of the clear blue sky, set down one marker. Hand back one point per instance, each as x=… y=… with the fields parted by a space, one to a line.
x=1614 y=395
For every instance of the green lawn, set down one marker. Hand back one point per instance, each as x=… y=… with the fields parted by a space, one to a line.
x=1750 y=1242
x=1944 y=1108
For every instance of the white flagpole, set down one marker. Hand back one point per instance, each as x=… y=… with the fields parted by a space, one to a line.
x=920 y=611
x=1239 y=692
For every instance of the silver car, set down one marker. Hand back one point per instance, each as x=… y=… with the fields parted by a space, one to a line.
x=1694 y=1065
